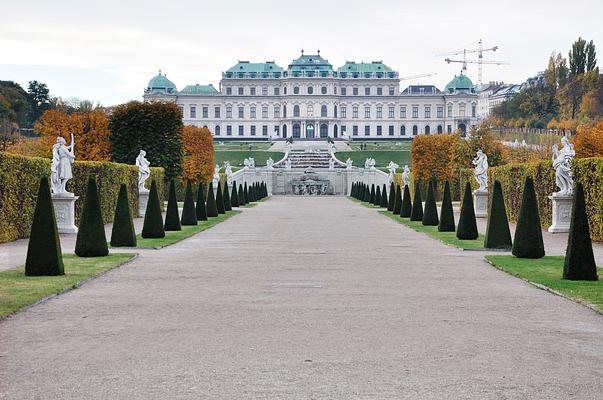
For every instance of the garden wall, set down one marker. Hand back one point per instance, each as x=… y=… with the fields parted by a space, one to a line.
x=19 y=180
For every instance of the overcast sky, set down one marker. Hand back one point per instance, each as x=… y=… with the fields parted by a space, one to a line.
x=108 y=50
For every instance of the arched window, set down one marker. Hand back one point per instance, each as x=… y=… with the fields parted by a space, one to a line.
x=296 y=130
x=296 y=111
x=284 y=131
x=335 y=111
x=217 y=130
x=284 y=111
x=296 y=90
x=440 y=129
x=310 y=110
x=324 y=130
x=415 y=130
x=334 y=130
x=323 y=90
x=310 y=90
x=403 y=130
x=323 y=111
x=427 y=129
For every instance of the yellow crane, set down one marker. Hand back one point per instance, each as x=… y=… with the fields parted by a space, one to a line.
x=480 y=59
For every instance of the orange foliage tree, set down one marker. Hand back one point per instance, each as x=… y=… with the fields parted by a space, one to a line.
x=198 y=146
x=90 y=129
x=432 y=156
x=589 y=141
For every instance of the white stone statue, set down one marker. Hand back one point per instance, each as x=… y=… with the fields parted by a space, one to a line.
x=251 y=162
x=516 y=144
x=392 y=166
x=348 y=163
x=288 y=163
x=523 y=143
x=331 y=163
x=60 y=171
x=369 y=163
x=216 y=176
x=270 y=163
x=144 y=170
x=406 y=176
x=481 y=171
x=562 y=163
x=228 y=171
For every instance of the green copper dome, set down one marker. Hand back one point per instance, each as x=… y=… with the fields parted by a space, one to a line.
x=160 y=82
x=459 y=84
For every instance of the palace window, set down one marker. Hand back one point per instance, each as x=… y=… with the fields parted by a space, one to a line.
x=323 y=111
x=355 y=130
x=355 y=91
x=440 y=129
x=284 y=111
x=252 y=130
x=264 y=130
x=379 y=112
x=310 y=110
x=217 y=130
x=355 y=112
x=415 y=111
x=264 y=111
x=391 y=130
x=403 y=130
x=449 y=110
x=296 y=111
x=205 y=112
x=252 y=91
x=343 y=129
x=193 y=112
x=415 y=130
x=241 y=130
x=344 y=91
x=241 y=91
x=367 y=91
x=228 y=111
x=181 y=110
x=367 y=130
x=296 y=90
x=229 y=91
x=427 y=130
x=216 y=112
x=392 y=91
x=379 y=91
x=323 y=90
x=344 y=112
x=241 y=112
x=390 y=112
x=379 y=130
x=228 y=130
x=335 y=111
x=264 y=90
x=403 y=112
x=367 y=111
x=440 y=112
x=277 y=111
x=427 y=111
x=473 y=110
x=462 y=110
x=449 y=128
x=277 y=91
x=310 y=90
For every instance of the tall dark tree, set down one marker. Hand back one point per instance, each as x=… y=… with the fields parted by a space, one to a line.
x=200 y=207
x=384 y=202
x=241 y=193
x=498 y=235
x=447 y=213
x=234 y=196
x=591 y=57
x=220 y=199
x=152 y=227
x=528 y=242
x=398 y=201
x=226 y=199
x=392 y=197
x=367 y=194
x=91 y=240
x=246 y=193
x=189 y=214
x=430 y=216
x=467 y=229
x=406 y=208
x=153 y=126
x=39 y=99
x=212 y=207
x=123 y=233
x=579 y=258
x=577 y=57
x=172 y=218
x=44 y=256
x=372 y=195
x=378 y=196
x=417 y=205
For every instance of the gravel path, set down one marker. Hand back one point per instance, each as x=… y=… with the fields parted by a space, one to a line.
x=304 y=298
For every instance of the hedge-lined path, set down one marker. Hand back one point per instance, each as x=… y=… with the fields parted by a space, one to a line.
x=303 y=298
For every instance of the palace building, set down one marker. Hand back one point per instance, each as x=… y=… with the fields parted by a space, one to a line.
x=311 y=99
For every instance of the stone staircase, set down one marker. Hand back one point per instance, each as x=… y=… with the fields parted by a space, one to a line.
x=303 y=160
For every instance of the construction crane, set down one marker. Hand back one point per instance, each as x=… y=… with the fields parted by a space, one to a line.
x=480 y=59
x=406 y=78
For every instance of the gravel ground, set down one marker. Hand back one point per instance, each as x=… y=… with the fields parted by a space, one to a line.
x=304 y=298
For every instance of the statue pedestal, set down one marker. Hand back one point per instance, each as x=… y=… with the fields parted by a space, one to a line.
x=143 y=199
x=562 y=213
x=64 y=210
x=480 y=200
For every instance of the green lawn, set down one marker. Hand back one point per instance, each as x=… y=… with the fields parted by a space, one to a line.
x=236 y=157
x=219 y=146
x=377 y=145
x=445 y=237
x=18 y=290
x=548 y=271
x=382 y=157
x=187 y=231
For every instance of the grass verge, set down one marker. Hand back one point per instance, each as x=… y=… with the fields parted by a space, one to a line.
x=18 y=291
x=547 y=273
x=367 y=205
x=187 y=231
x=448 y=238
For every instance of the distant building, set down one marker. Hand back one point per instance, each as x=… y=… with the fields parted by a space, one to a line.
x=311 y=99
x=493 y=94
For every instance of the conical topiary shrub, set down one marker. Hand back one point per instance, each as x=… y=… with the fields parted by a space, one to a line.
x=123 y=233
x=212 y=207
x=44 y=256
x=528 y=241
x=447 y=213
x=189 y=214
x=579 y=258
x=366 y=193
x=152 y=227
x=241 y=194
x=378 y=196
x=200 y=208
x=234 y=196
x=416 y=213
x=430 y=216
x=406 y=209
x=91 y=240
x=398 y=201
x=372 y=194
x=226 y=199
x=467 y=229
x=384 y=201
x=172 y=219
x=498 y=235
x=246 y=193
x=220 y=200
x=392 y=197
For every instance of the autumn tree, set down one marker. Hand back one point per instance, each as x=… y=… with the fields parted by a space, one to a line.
x=198 y=149
x=90 y=130
x=589 y=141
x=432 y=156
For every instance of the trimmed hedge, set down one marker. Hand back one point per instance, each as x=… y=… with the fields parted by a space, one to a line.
x=19 y=177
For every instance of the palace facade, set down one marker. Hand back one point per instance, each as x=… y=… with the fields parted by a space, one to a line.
x=311 y=99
